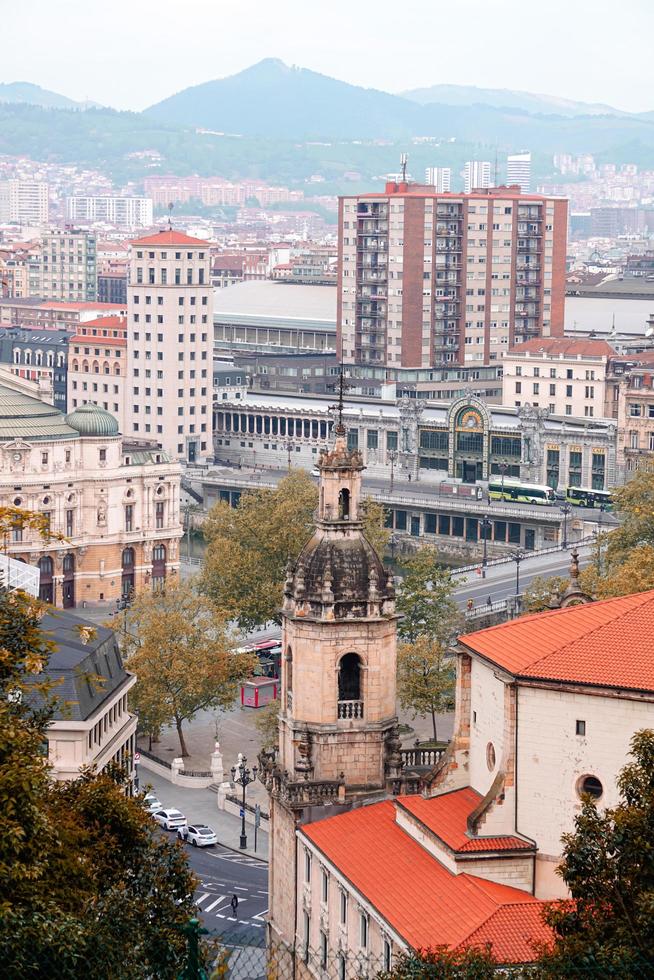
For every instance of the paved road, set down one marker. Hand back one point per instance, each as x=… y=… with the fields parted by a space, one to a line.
x=222 y=874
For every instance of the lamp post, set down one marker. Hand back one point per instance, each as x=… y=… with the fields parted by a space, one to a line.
x=392 y=459
x=602 y=510
x=566 y=510
x=517 y=558
x=122 y=604
x=241 y=774
x=503 y=468
x=485 y=525
x=289 y=447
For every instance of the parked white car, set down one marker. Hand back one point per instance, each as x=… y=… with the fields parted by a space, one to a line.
x=198 y=834
x=151 y=803
x=170 y=819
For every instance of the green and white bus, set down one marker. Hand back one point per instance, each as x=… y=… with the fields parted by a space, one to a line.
x=524 y=493
x=583 y=497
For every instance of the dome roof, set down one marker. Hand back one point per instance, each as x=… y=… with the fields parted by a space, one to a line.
x=91 y=420
x=340 y=570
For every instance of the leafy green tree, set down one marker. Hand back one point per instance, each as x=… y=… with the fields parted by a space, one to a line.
x=267 y=724
x=249 y=546
x=442 y=963
x=425 y=678
x=542 y=592
x=607 y=927
x=178 y=647
x=425 y=599
x=87 y=886
x=373 y=516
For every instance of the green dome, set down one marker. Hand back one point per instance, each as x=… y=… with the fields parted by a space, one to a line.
x=91 y=420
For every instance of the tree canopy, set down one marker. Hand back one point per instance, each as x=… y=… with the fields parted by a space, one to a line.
x=179 y=649
x=425 y=599
x=425 y=678
x=249 y=546
x=87 y=885
x=607 y=927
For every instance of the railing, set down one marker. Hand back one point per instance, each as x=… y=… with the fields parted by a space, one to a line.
x=486 y=609
x=506 y=559
x=350 y=709
x=248 y=806
x=155 y=758
x=421 y=758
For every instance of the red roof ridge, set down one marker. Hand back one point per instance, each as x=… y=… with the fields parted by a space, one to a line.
x=167 y=236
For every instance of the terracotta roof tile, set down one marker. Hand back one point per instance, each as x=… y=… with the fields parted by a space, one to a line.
x=607 y=644
x=564 y=345
x=418 y=897
x=168 y=237
x=446 y=817
x=512 y=935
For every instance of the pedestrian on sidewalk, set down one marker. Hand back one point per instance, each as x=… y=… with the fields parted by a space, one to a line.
x=234 y=904
x=489 y=601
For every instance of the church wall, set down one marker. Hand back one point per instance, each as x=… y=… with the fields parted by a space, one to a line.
x=281 y=874
x=486 y=725
x=552 y=758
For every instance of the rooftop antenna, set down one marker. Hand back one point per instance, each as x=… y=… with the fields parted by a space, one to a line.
x=339 y=429
x=170 y=216
x=403 y=162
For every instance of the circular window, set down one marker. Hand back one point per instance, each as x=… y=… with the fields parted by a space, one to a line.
x=490 y=756
x=590 y=786
x=130 y=493
x=17 y=501
x=159 y=491
x=46 y=500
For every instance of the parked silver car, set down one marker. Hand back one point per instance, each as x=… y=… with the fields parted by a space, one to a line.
x=170 y=819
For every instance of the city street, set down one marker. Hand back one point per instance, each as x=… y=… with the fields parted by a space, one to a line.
x=224 y=873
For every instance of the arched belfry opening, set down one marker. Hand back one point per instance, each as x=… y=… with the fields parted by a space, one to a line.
x=350 y=703
x=344 y=504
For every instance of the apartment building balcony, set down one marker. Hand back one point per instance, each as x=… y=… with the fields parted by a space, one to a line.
x=448 y=247
x=378 y=210
x=372 y=245
x=370 y=276
x=527 y=266
x=373 y=228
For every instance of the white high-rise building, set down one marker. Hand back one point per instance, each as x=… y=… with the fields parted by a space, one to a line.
x=24 y=201
x=476 y=175
x=170 y=344
x=518 y=170
x=440 y=178
x=125 y=212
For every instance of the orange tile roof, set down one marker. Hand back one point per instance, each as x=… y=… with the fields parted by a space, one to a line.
x=446 y=816
x=168 y=237
x=607 y=644
x=107 y=322
x=567 y=346
x=419 y=898
x=82 y=306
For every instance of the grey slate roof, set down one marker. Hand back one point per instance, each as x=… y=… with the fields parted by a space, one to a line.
x=85 y=674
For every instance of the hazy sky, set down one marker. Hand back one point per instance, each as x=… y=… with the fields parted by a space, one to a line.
x=131 y=53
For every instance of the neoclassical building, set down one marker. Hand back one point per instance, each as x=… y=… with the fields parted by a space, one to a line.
x=114 y=502
x=464 y=440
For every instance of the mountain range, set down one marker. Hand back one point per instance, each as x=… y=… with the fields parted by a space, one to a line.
x=285 y=124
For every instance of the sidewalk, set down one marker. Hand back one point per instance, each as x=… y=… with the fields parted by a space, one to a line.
x=201 y=806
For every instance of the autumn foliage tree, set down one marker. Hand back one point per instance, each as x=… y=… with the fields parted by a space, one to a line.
x=179 y=648
x=87 y=886
x=425 y=678
x=425 y=600
x=248 y=546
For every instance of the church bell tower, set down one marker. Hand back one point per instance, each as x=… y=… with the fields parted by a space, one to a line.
x=338 y=736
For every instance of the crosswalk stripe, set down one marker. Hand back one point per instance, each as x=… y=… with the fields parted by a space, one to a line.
x=221 y=898
x=261 y=914
x=201 y=899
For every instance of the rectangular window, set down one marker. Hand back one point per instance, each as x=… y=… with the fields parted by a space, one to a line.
x=363 y=930
x=324 y=886
x=307 y=936
x=391 y=441
x=353 y=439
x=323 y=950
x=69 y=523
x=373 y=438
x=387 y=955
x=129 y=517
x=343 y=908
x=580 y=727
x=400 y=520
x=159 y=515
x=307 y=865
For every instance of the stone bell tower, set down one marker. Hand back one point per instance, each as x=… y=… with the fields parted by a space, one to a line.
x=338 y=737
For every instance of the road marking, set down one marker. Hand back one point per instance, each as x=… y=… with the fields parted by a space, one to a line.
x=221 y=898
x=202 y=897
x=261 y=914
x=262 y=893
x=239 y=888
x=220 y=916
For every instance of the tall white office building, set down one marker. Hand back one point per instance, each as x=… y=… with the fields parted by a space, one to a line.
x=518 y=170
x=24 y=201
x=170 y=344
x=440 y=178
x=476 y=175
x=125 y=212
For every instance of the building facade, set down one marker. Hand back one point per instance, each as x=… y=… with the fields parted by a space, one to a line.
x=92 y=725
x=476 y=175
x=440 y=178
x=567 y=377
x=97 y=366
x=124 y=212
x=170 y=344
x=24 y=201
x=466 y=440
x=518 y=170
x=40 y=356
x=428 y=280
x=69 y=266
x=115 y=504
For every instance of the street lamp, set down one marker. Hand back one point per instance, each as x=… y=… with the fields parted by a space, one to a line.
x=485 y=525
x=289 y=447
x=517 y=558
x=392 y=459
x=123 y=603
x=566 y=510
x=241 y=774
x=602 y=510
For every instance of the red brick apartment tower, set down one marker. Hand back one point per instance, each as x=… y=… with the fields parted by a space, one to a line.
x=430 y=280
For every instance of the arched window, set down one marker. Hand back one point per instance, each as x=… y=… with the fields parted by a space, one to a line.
x=289 y=669
x=75 y=365
x=127 y=579
x=60 y=360
x=349 y=678
x=28 y=356
x=127 y=560
x=16 y=356
x=96 y=367
x=46 y=583
x=85 y=367
x=344 y=505
x=38 y=358
x=105 y=367
x=116 y=369
x=69 y=564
